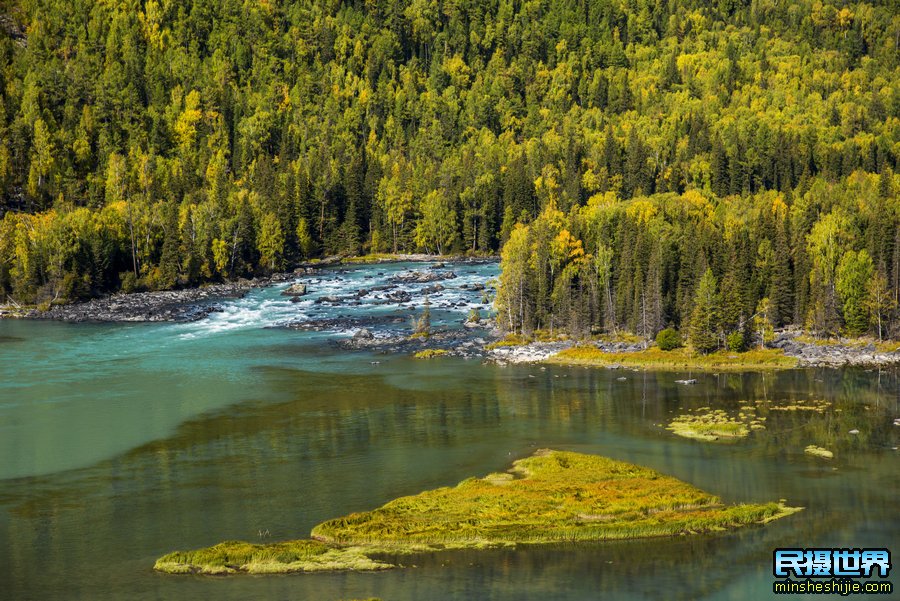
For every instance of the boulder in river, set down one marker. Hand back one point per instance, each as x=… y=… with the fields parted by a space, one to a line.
x=399 y=296
x=422 y=277
x=297 y=289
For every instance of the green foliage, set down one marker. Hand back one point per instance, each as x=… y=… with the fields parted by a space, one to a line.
x=637 y=264
x=735 y=342
x=436 y=231
x=704 y=329
x=278 y=131
x=853 y=274
x=270 y=242
x=668 y=339
x=305 y=242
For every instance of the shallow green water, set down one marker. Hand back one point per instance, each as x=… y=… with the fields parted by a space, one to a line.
x=121 y=443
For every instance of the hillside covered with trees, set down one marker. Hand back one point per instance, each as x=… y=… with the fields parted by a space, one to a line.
x=633 y=155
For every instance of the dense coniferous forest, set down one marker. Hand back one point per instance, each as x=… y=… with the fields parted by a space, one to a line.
x=644 y=162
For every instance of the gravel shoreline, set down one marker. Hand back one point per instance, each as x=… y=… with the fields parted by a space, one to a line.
x=191 y=304
x=848 y=353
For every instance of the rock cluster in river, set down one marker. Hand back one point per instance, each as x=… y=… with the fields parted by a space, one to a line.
x=422 y=277
x=459 y=343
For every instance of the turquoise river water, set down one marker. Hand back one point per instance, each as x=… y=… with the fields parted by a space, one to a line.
x=122 y=442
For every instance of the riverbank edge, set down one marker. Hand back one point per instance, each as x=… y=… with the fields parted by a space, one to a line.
x=195 y=302
x=789 y=350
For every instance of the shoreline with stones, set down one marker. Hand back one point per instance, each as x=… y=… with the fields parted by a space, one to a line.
x=474 y=340
x=195 y=303
x=807 y=353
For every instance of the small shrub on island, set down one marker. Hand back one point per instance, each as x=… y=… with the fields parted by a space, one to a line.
x=735 y=342
x=431 y=353
x=668 y=339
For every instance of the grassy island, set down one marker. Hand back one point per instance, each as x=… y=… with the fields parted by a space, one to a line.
x=676 y=360
x=550 y=497
x=231 y=557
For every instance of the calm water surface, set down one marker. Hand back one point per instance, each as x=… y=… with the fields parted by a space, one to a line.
x=119 y=443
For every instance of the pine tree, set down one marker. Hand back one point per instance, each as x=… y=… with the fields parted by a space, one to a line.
x=704 y=328
x=780 y=288
x=719 y=168
x=171 y=251
x=270 y=242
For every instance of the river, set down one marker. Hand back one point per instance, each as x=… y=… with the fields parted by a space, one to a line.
x=122 y=442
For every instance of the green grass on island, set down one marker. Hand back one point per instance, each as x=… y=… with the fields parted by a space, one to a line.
x=676 y=360
x=550 y=497
x=510 y=340
x=304 y=555
x=431 y=353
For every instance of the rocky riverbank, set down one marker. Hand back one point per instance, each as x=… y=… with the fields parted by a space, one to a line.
x=192 y=304
x=835 y=353
x=189 y=304
x=789 y=349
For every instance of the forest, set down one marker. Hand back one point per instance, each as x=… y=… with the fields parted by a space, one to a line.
x=639 y=162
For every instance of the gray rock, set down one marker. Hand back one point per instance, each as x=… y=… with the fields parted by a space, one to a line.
x=297 y=289
x=363 y=334
x=422 y=277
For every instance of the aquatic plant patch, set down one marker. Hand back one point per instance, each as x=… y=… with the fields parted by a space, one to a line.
x=818 y=451
x=812 y=405
x=719 y=425
x=713 y=425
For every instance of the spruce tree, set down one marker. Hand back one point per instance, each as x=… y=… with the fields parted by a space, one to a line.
x=704 y=328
